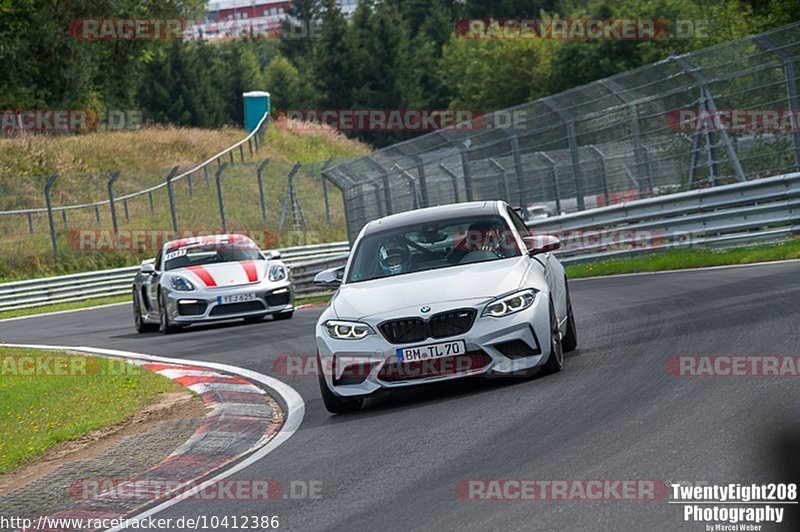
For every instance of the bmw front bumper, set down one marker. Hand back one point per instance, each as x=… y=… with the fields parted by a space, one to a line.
x=506 y=345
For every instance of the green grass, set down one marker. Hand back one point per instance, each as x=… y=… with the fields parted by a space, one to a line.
x=64 y=306
x=69 y=397
x=24 y=255
x=683 y=259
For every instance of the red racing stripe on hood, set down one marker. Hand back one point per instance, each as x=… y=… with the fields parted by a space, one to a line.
x=203 y=274
x=250 y=269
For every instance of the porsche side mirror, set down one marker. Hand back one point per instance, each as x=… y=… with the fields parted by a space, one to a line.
x=330 y=278
x=541 y=244
x=148 y=268
x=272 y=255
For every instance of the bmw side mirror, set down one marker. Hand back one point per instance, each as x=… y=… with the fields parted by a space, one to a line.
x=541 y=244
x=272 y=255
x=330 y=278
x=148 y=268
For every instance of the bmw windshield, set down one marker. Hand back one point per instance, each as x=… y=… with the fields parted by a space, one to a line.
x=432 y=245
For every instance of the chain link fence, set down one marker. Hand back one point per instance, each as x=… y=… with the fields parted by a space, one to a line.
x=279 y=203
x=635 y=135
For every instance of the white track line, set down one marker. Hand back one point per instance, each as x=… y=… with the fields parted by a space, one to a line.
x=684 y=270
x=295 y=410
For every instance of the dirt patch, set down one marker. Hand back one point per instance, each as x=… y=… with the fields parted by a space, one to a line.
x=170 y=406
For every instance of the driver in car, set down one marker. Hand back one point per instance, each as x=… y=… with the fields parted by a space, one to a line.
x=394 y=257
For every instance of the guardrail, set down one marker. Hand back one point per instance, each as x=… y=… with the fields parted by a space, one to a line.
x=738 y=214
x=108 y=283
x=743 y=213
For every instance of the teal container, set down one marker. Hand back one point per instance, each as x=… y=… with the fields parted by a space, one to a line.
x=256 y=105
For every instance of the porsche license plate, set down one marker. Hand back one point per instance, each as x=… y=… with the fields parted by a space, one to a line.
x=425 y=352
x=236 y=298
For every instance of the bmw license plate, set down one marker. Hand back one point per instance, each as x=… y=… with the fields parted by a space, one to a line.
x=425 y=352
x=236 y=298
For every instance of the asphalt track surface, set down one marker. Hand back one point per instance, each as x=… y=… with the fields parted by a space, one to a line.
x=615 y=412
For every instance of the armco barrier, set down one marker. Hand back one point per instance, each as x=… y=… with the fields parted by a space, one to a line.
x=107 y=283
x=739 y=214
x=725 y=216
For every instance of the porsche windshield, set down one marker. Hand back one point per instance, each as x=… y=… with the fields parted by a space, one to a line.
x=203 y=254
x=432 y=245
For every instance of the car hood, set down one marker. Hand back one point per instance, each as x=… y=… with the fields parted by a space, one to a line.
x=470 y=284
x=225 y=273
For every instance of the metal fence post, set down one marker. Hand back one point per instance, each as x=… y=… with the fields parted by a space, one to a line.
x=325 y=191
x=64 y=219
x=217 y=179
x=30 y=222
x=423 y=181
x=152 y=202
x=97 y=213
x=387 y=193
x=231 y=154
x=453 y=179
x=554 y=179
x=518 y=170
x=411 y=183
x=467 y=171
x=289 y=197
x=602 y=157
x=250 y=146
x=112 y=207
x=639 y=151
x=205 y=175
x=262 y=201
x=189 y=183
x=699 y=75
x=241 y=151
x=127 y=213
x=50 y=182
x=171 y=194
x=572 y=139
x=503 y=174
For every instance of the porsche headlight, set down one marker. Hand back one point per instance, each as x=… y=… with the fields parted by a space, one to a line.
x=181 y=284
x=348 y=330
x=510 y=304
x=277 y=273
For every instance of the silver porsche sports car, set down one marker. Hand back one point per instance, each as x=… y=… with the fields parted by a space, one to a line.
x=438 y=294
x=210 y=278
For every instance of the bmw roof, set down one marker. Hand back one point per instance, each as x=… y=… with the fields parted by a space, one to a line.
x=431 y=214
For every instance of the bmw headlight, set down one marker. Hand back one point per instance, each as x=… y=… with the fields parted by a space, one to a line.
x=348 y=330
x=505 y=305
x=277 y=272
x=181 y=284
